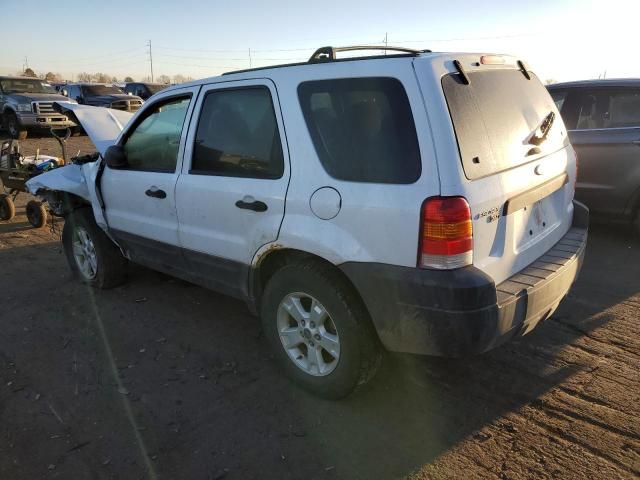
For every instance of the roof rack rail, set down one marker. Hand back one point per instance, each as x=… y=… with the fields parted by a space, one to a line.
x=327 y=54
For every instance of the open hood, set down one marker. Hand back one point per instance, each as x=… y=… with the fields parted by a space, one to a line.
x=103 y=125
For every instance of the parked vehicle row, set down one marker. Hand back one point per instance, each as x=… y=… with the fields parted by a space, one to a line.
x=102 y=95
x=26 y=103
x=418 y=202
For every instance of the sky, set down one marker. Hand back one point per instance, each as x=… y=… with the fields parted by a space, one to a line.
x=559 y=39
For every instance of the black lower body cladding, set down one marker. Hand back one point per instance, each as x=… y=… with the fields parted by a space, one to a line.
x=462 y=312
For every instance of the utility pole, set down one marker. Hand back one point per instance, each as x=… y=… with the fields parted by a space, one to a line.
x=25 y=65
x=250 y=59
x=150 y=60
x=385 y=43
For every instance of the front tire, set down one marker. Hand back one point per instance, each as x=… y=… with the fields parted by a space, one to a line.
x=92 y=256
x=15 y=129
x=319 y=329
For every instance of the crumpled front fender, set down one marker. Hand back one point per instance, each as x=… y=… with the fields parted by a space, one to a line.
x=69 y=178
x=78 y=180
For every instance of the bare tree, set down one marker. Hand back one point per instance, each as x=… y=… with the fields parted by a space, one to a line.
x=84 y=77
x=179 y=78
x=101 y=78
x=28 y=72
x=164 y=79
x=52 y=77
x=128 y=79
x=550 y=81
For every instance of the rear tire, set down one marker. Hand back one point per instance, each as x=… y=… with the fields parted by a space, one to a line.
x=93 y=258
x=15 y=129
x=36 y=214
x=7 y=208
x=332 y=355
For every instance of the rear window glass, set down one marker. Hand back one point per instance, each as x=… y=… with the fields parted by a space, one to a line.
x=497 y=116
x=362 y=129
x=91 y=90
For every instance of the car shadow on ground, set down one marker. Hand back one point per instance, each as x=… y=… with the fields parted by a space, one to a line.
x=176 y=379
x=12 y=227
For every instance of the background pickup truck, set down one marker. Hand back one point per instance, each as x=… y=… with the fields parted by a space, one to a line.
x=27 y=103
x=101 y=95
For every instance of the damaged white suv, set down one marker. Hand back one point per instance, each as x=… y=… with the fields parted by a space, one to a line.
x=418 y=202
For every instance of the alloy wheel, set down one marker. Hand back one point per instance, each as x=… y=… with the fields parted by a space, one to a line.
x=308 y=334
x=84 y=252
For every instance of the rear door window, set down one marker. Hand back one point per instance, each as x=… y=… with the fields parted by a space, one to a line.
x=362 y=129
x=238 y=135
x=496 y=116
x=602 y=108
x=624 y=109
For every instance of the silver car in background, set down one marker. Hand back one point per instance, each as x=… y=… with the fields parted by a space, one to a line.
x=26 y=103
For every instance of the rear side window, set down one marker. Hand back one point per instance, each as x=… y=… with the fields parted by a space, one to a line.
x=588 y=109
x=238 y=135
x=496 y=116
x=362 y=129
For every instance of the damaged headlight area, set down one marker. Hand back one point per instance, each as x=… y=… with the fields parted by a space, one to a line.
x=60 y=203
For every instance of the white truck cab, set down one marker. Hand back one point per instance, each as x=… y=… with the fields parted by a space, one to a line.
x=419 y=202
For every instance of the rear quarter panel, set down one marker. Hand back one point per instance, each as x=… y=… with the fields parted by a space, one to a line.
x=376 y=222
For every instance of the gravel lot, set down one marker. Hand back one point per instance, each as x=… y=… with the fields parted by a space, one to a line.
x=163 y=379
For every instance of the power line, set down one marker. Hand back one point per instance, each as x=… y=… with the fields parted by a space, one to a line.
x=251 y=54
x=375 y=42
x=90 y=64
x=110 y=54
x=200 y=66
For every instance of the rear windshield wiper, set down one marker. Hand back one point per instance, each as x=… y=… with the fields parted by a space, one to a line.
x=541 y=133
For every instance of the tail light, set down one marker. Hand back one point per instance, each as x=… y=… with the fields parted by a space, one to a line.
x=446 y=234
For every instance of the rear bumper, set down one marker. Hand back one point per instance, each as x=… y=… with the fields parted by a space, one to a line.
x=462 y=312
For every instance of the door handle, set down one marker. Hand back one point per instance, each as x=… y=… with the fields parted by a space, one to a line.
x=156 y=193
x=256 y=205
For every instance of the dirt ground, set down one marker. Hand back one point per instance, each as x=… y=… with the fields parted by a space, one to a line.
x=163 y=379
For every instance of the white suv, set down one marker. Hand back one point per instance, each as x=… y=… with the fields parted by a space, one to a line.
x=418 y=202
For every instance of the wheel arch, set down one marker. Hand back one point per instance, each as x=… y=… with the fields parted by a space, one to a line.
x=8 y=108
x=276 y=257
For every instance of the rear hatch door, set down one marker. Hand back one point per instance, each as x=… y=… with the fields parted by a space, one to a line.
x=513 y=163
